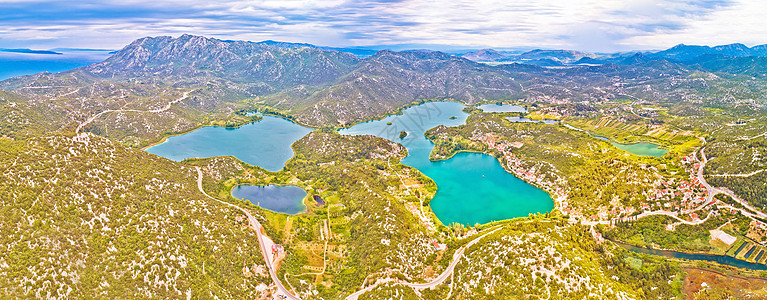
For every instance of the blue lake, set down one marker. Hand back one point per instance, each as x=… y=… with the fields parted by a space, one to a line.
x=472 y=187
x=599 y=137
x=501 y=108
x=265 y=143
x=282 y=199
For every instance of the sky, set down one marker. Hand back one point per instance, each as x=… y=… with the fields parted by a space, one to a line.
x=588 y=25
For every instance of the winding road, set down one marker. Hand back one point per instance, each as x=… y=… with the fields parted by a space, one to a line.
x=263 y=240
x=712 y=191
x=437 y=281
x=162 y=109
x=738 y=175
x=673 y=215
x=750 y=211
x=449 y=270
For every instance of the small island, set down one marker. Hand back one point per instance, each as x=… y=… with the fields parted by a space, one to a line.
x=402 y=134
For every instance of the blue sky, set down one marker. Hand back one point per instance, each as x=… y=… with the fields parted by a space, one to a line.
x=590 y=25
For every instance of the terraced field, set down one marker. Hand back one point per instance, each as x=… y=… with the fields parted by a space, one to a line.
x=749 y=251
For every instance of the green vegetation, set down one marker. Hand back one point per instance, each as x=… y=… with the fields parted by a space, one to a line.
x=390 y=291
x=81 y=219
x=87 y=216
x=561 y=253
x=591 y=172
x=381 y=233
x=652 y=232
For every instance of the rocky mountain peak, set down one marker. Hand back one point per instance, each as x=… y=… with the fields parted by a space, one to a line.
x=484 y=55
x=192 y=56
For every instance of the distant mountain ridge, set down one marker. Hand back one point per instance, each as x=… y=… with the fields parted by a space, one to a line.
x=684 y=52
x=87 y=212
x=679 y=53
x=30 y=51
x=540 y=57
x=485 y=55
x=322 y=87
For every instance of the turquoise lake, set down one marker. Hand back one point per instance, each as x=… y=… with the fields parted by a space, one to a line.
x=265 y=143
x=646 y=149
x=472 y=187
x=282 y=199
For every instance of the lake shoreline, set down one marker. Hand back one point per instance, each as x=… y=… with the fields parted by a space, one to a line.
x=302 y=201
x=556 y=200
x=265 y=143
x=471 y=189
x=164 y=137
x=614 y=143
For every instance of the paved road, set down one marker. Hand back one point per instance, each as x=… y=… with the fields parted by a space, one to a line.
x=456 y=258
x=712 y=191
x=666 y=213
x=752 y=210
x=263 y=240
x=437 y=281
x=738 y=175
x=753 y=137
x=673 y=215
x=162 y=109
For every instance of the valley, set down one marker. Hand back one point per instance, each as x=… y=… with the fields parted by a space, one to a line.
x=203 y=168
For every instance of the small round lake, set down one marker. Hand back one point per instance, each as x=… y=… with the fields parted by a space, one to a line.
x=642 y=149
x=282 y=199
x=265 y=143
x=501 y=108
x=471 y=187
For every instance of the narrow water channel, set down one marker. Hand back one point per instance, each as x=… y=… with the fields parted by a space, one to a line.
x=722 y=259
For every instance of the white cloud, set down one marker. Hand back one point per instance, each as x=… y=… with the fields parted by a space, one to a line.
x=743 y=22
x=577 y=24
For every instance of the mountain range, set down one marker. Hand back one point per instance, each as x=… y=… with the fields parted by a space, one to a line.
x=87 y=214
x=680 y=53
x=322 y=87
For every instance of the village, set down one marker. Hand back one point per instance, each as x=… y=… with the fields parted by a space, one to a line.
x=689 y=200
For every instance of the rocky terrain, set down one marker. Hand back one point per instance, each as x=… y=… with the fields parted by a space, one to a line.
x=327 y=87
x=86 y=217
